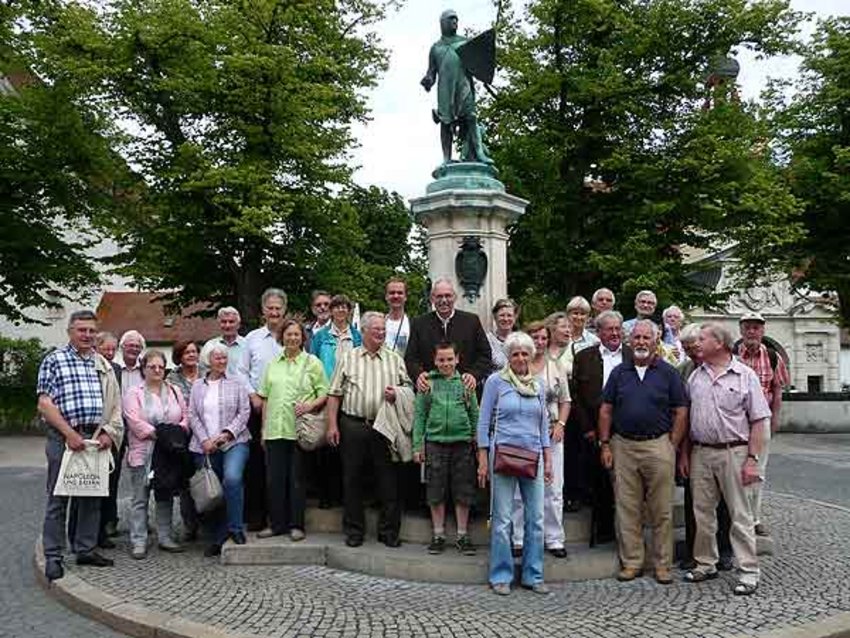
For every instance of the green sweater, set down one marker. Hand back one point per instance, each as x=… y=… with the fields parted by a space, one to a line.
x=446 y=414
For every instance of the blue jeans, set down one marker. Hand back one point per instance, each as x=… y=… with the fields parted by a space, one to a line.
x=501 y=558
x=229 y=466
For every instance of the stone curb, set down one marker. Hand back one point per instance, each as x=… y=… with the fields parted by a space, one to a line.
x=127 y=618
x=135 y=620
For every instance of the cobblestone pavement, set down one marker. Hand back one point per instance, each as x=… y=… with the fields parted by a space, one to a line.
x=805 y=582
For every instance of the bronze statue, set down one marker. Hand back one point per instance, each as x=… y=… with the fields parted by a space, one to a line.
x=452 y=63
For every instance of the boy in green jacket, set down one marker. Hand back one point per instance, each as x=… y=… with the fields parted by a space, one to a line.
x=444 y=423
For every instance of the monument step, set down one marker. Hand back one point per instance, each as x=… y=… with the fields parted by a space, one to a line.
x=411 y=561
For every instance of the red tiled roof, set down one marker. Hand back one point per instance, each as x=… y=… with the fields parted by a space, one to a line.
x=118 y=312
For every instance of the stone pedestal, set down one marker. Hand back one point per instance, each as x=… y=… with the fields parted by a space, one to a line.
x=467 y=201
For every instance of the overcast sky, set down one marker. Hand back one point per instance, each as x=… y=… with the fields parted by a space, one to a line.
x=400 y=146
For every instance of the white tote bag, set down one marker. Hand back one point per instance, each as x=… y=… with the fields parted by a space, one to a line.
x=85 y=473
x=205 y=488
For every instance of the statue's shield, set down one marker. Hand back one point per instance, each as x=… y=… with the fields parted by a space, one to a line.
x=479 y=56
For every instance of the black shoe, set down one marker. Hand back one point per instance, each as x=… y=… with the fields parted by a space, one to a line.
x=465 y=546
x=353 y=541
x=725 y=564
x=95 y=560
x=238 y=538
x=572 y=506
x=558 y=552
x=105 y=543
x=53 y=570
x=391 y=541
x=212 y=550
x=438 y=544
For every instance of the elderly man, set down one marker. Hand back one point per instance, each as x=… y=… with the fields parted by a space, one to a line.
x=77 y=393
x=261 y=346
x=584 y=476
x=320 y=308
x=398 y=323
x=645 y=305
x=773 y=376
x=690 y=344
x=644 y=404
x=229 y=321
x=363 y=379
x=728 y=418
x=446 y=324
x=603 y=299
x=131 y=346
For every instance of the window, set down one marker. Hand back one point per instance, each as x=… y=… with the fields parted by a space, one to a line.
x=815 y=384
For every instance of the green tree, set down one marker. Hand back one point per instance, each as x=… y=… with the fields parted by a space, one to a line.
x=237 y=118
x=817 y=143
x=602 y=126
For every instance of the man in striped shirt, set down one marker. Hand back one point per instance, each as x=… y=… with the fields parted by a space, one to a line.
x=363 y=379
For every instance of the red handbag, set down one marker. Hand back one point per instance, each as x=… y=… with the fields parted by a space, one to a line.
x=516 y=461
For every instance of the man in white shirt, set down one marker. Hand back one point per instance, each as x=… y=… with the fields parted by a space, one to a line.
x=131 y=345
x=229 y=321
x=397 y=321
x=261 y=346
x=645 y=304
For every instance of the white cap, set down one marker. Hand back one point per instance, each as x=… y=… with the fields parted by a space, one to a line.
x=751 y=316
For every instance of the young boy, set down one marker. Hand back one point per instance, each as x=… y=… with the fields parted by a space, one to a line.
x=444 y=425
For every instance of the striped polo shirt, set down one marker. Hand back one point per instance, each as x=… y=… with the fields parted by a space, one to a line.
x=360 y=378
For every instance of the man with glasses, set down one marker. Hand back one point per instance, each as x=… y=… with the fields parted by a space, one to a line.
x=320 y=307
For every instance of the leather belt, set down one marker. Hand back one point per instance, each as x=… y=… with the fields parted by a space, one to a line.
x=722 y=446
x=640 y=437
x=368 y=422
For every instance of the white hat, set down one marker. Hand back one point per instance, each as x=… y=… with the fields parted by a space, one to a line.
x=751 y=316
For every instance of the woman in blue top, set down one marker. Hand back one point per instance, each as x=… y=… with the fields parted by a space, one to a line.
x=331 y=342
x=513 y=413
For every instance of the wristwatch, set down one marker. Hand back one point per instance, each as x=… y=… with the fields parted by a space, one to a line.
x=754 y=457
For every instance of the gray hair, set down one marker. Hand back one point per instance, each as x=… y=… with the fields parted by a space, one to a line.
x=368 y=317
x=608 y=314
x=647 y=322
x=601 y=290
x=645 y=293
x=578 y=303
x=132 y=334
x=671 y=309
x=228 y=310
x=103 y=337
x=721 y=333
x=215 y=346
x=689 y=333
x=443 y=280
x=518 y=341
x=552 y=320
x=81 y=315
x=268 y=293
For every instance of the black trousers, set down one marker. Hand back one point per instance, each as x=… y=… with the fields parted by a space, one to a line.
x=724 y=524
x=255 y=476
x=362 y=447
x=285 y=485
x=581 y=458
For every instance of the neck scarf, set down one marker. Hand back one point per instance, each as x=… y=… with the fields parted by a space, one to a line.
x=526 y=385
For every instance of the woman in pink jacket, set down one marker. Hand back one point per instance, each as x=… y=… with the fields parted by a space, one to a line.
x=154 y=401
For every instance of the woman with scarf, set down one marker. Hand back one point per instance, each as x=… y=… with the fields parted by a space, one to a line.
x=514 y=422
x=153 y=402
x=330 y=343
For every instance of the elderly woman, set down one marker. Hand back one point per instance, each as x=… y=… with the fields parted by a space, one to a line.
x=556 y=386
x=146 y=406
x=504 y=320
x=218 y=415
x=293 y=384
x=186 y=357
x=514 y=421
x=673 y=319
x=330 y=343
x=578 y=313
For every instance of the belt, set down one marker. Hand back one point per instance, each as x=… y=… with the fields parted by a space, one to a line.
x=640 y=437
x=361 y=419
x=722 y=446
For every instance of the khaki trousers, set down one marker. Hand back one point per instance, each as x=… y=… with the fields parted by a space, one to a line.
x=644 y=471
x=715 y=472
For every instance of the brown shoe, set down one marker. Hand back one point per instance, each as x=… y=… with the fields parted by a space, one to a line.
x=628 y=573
x=663 y=576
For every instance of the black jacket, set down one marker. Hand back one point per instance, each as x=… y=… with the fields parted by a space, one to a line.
x=171 y=463
x=464 y=330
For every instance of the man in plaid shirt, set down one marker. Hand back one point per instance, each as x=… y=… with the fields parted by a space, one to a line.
x=70 y=400
x=773 y=377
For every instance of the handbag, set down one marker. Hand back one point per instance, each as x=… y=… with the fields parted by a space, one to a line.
x=311 y=429
x=205 y=488
x=511 y=460
x=85 y=472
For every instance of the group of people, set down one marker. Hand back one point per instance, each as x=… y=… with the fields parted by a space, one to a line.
x=580 y=408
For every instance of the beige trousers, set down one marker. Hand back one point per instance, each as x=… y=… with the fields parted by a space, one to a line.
x=715 y=472
x=644 y=471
